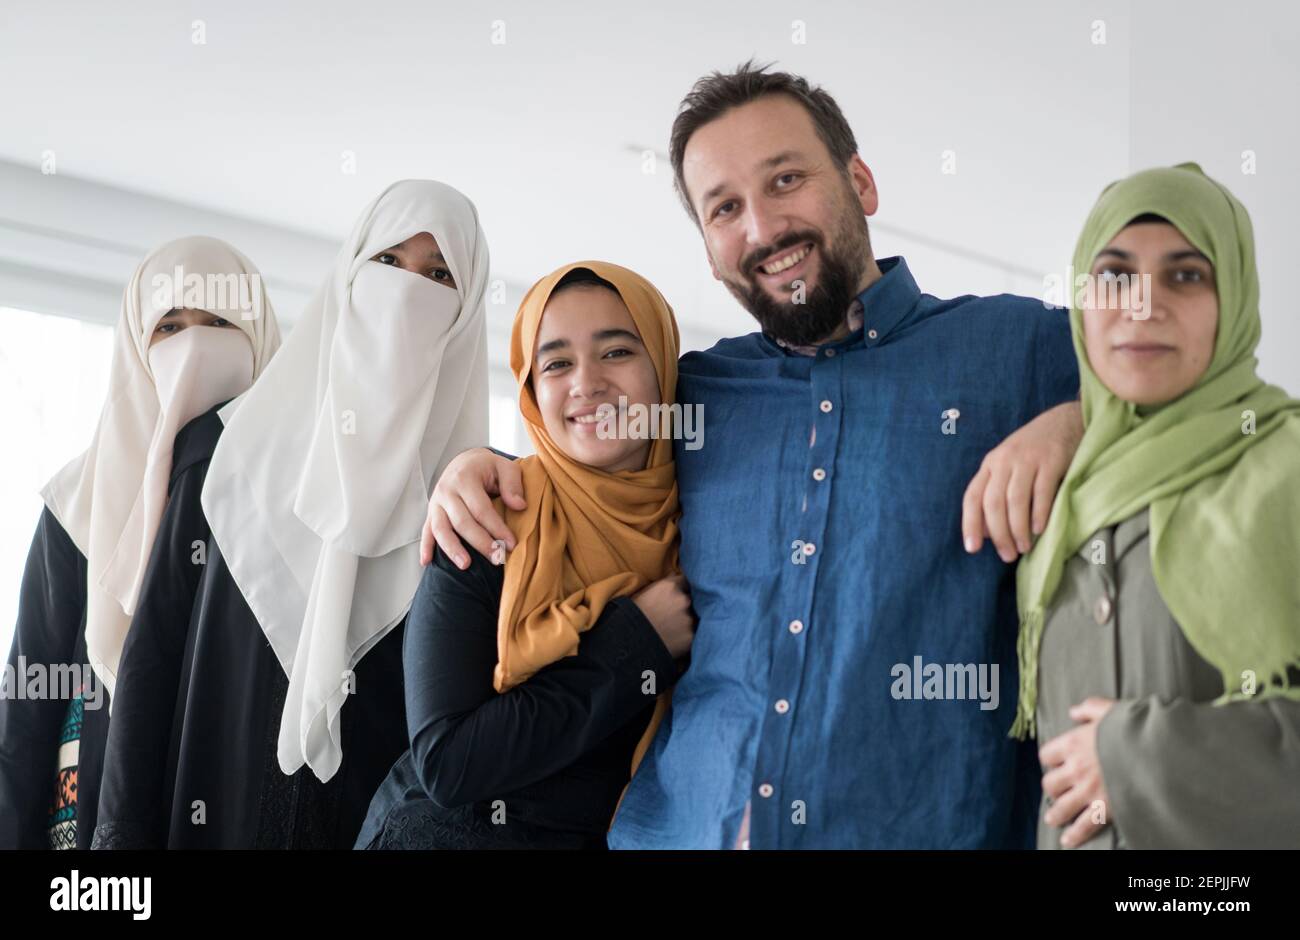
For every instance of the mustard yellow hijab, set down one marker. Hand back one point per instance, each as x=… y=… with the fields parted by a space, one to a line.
x=587 y=536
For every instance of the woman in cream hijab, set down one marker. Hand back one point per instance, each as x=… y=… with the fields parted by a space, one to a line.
x=195 y=330
x=288 y=669
x=528 y=686
x=1160 y=609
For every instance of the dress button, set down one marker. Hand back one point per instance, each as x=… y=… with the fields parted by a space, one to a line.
x=1102 y=609
x=871 y=334
x=796 y=626
x=765 y=790
x=830 y=353
x=809 y=548
x=819 y=474
x=782 y=706
x=826 y=406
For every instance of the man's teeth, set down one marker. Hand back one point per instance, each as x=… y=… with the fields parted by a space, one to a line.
x=586 y=419
x=779 y=265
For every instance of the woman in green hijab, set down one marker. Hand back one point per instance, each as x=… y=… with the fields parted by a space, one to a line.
x=1160 y=609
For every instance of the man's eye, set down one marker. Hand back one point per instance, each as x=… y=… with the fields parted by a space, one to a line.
x=1110 y=274
x=386 y=258
x=553 y=364
x=1188 y=276
x=165 y=328
x=619 y=352
x=441 y=275
x=221 y=321
x=787 y=176
x=722 y=209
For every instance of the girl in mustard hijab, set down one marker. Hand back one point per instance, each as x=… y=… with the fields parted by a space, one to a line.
x=530 y=684
x=1160 y=609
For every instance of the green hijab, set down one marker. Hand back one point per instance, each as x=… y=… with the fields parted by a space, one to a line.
x=1224 y=501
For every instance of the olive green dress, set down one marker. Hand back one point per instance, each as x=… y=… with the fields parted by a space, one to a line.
x=1179 y=771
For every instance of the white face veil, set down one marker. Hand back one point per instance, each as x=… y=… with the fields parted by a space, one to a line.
x=319 y=486
x=111 y=498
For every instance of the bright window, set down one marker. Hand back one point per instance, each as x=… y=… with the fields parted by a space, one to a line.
x=53 y=378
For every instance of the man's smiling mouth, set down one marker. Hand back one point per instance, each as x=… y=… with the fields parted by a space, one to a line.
x=786 y=261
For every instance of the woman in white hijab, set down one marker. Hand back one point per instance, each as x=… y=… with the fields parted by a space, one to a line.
x=195 y=330
x=315 y=497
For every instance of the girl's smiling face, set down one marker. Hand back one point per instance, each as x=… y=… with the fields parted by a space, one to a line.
x=589 y=353
x=1150 y=349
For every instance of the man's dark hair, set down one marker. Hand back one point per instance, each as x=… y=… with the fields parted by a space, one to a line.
x=582 y=276
x=716 y=94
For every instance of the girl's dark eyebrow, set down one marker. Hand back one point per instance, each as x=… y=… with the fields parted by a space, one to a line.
x=615 y=333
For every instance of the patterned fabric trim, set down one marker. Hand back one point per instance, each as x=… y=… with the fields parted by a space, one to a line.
x=62 y=822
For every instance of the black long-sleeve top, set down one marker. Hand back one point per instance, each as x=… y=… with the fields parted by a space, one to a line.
x=49 y=636
x=541 y=765
x=191 y=755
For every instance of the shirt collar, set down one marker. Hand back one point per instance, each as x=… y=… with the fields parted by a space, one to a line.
x=881 y=308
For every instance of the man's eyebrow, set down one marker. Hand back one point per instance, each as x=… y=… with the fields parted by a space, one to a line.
x=765 y=164
x=781 y=157
x=1117 y=252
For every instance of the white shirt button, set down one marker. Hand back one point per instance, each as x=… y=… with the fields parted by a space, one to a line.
x=871 y=334
x=826 y=406
x=1101 y=611
x=819 y=474
x=765 y=790
x=809 y=548
x=782 y=706
x=830 y=353
x=796 y=626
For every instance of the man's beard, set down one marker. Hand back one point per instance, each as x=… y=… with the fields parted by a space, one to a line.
x=825 y=305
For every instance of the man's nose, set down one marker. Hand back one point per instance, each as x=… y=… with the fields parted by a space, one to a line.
x=764 y=225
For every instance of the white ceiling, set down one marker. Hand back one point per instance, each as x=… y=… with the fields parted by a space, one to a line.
x=545 y=132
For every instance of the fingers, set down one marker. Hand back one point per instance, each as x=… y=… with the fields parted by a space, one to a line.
x=1020 y=497
x=1067 y=806
x=995 y=514
x=426 y=539
x=1046 y=483
x=465 y=521
x=1057 y=781
x=1053 y=753
x=486 y=518
x=1080 y=831
x=510 y=485
x=445 y=535
x=972 y=511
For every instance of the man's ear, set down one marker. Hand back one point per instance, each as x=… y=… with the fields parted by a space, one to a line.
x=864 y=185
